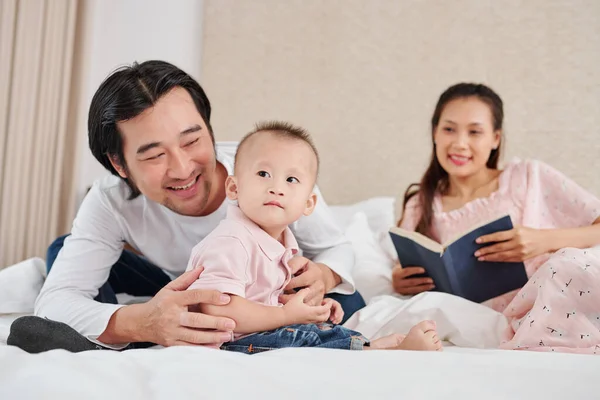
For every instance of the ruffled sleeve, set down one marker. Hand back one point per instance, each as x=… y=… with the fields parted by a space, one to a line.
x=556 y=201
x=411 y=214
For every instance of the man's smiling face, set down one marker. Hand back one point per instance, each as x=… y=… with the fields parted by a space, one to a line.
x=169 y=154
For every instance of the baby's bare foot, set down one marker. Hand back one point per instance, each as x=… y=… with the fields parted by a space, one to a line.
x=422 y=336
x=387 y=342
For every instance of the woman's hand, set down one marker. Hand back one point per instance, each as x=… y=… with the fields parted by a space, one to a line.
x=405 y=285
x=516 y=245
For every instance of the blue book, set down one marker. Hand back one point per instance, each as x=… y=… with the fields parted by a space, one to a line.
x=453 y=265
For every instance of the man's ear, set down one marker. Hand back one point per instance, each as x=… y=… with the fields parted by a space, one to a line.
x=231 y=187
x=310 y=204
x=114 y=161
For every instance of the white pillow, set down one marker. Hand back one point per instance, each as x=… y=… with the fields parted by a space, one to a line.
x=373 y=268
x=20 y=285
x=378 y=210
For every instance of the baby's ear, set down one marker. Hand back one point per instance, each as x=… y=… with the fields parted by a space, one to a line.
x=310 y=204
x=231 y=188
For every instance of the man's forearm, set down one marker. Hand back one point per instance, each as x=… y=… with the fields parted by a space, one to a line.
x=330 y=278
x=249 y=317
x=124 y=326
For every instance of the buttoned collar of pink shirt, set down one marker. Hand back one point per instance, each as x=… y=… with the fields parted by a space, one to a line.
x=270 y=246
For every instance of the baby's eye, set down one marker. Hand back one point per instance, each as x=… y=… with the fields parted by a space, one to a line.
x=263 y=174
x=292 y=179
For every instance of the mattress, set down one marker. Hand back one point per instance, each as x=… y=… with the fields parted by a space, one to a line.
x=469 y=366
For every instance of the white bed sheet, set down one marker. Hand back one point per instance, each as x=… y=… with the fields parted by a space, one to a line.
x=186 y=373
x=472 y=370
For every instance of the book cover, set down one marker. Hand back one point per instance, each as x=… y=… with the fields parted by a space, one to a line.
x=453 y=265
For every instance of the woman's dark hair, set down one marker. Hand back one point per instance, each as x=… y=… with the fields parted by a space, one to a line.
x=125 y=94
x=436 y=178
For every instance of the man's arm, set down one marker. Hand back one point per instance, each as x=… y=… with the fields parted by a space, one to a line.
x=84 y=264
x=166 y=320
x=323 y=242
x=330 y=278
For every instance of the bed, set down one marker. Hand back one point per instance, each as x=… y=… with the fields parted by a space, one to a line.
x=470 y=366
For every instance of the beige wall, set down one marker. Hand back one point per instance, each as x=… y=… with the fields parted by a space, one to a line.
x=364 y=76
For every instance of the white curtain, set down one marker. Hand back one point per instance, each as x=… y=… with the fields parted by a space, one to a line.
x=36 y=144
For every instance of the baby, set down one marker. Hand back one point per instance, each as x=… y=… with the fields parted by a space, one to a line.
x=247 y=255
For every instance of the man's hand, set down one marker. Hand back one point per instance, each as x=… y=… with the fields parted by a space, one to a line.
x=165 y=319
x=298 y=311
x=518 y=244
x=318 y=277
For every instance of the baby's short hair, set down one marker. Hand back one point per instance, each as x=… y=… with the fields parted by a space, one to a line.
x=283 y=130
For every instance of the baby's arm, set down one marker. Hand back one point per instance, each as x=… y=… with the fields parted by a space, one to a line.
x=253 y=317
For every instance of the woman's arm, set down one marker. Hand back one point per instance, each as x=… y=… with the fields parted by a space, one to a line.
x=555 y=200
x=580 y=238
x=522 y=243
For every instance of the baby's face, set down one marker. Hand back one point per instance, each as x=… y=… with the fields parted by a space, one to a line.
x=274 y=180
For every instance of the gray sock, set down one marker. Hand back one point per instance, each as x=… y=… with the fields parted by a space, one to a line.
x=36 y=335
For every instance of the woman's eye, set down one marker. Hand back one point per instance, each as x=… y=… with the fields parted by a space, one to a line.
x=293 y=179
x=263 y=174
x=475 y=132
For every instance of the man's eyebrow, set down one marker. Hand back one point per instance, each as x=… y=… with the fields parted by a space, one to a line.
x=144 y=148
x=191 y=129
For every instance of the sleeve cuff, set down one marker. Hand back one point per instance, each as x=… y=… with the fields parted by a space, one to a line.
x=347 y=285
x=343 y=288
x=223 y=286
x=101 y=322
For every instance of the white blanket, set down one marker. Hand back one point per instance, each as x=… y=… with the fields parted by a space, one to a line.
x=192 y=373
x=459 y=322
x=468 y=368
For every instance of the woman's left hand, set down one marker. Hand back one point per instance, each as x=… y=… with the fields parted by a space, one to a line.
x=516 y=245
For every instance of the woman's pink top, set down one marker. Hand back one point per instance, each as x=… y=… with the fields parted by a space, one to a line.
x=534 y=194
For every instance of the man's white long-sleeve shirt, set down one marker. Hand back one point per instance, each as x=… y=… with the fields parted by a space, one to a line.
x=107 y=219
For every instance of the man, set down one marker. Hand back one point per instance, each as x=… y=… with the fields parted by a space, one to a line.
x=149 y=125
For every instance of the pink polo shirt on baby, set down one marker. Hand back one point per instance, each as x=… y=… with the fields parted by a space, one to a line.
x=240 y=258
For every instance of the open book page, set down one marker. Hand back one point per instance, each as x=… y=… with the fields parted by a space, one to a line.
x=461 y=234
x=416 y=237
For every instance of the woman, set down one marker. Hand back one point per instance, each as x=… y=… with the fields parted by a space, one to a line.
x=556 y=222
